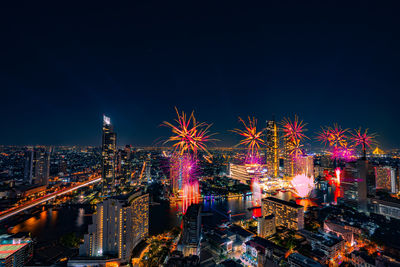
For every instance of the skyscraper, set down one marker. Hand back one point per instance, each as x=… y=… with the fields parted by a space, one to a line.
x=272 y=144
x=108 y=154
x=190 y=242
x=37 y=165
x=118 y=226
x=288 y=162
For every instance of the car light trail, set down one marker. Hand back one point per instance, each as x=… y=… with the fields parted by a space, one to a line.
x=47 y=198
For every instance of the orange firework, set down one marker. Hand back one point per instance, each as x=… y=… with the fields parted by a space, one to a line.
x=294 y=134
x=189 y=135
x=338 y=136
x=252 y=138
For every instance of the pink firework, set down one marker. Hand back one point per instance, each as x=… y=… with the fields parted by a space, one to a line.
x=303 y=185
x=256 y=191
x=363 y=139
x=324 y=136
x=343 y=152
x=191 y=195
x=294 y=130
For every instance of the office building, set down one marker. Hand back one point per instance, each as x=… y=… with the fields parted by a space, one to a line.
x=108 y=157
x=37 y=166
x=119 y=224
x=385 y=178
x=287 y=214
x=353 y=184
x=272 y=144
x=288 y=160
x=191 y=233
x=266 y=226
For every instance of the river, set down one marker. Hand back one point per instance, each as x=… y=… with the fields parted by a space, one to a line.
x=51 y=224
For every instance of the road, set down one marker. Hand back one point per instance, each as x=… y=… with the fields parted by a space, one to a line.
x=13 y=211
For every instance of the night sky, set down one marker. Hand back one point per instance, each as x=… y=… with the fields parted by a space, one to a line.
x=63 y=64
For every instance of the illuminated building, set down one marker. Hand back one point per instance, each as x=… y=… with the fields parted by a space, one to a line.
x=385 y=178
x=119 y=224
x=304 y=165
x=272 y=144
x=266 y=226
x=386 y=208
x=246 y=172
x=37 y=166
x=108 y=156
x=288 y=160
x=353 y=184
x=191 y=233
x=263 y=252
x=15 y=251
x=331 y=246
x=298 y=260
x=340 y=230
x=287 y=214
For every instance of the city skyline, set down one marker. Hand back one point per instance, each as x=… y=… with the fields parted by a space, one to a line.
x=324 y=62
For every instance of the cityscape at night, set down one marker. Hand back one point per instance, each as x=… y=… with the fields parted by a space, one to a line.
x=225 y=133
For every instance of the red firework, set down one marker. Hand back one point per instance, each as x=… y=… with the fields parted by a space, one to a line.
x=363 y=139
x=294 y=130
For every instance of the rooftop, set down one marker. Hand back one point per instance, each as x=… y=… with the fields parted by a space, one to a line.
x=287 y=203
x=9 y=249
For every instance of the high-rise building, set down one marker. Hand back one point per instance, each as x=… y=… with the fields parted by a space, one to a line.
x=385 y=178
x=287 y=214
x=354 y=184
x=108 y=154
x=119 y=224
x=266 y=226
x=29 y=169
x=37 y=165
x=288 y=162
x=191 y=233
x=272 y=144
x=15 y=250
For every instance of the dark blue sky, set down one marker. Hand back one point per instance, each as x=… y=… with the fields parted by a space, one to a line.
x=64 y=64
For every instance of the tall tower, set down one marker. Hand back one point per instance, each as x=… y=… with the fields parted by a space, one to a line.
x=288 y=161
x=37 y=166
x=272 y=149
x=108 y=154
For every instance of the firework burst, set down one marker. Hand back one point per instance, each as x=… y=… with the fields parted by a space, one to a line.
x=338 y=136
x=303 y=185
x=294 y=134
x=252 y=138
x=189 y=136
x=294 y=130
x=363 y=139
